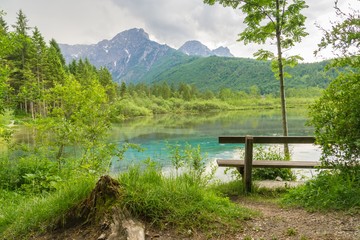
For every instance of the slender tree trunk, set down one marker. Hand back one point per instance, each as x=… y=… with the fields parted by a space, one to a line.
x=32 y=109
x=281 y=77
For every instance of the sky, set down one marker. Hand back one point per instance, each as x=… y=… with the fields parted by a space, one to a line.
x=171 y=22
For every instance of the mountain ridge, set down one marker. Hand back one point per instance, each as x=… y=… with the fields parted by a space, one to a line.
x=132 y=57
x=129 y=55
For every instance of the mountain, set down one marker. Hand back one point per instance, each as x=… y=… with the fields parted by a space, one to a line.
x=132 y=57
x=222 y=52
x=196 y=48
x=128 y=56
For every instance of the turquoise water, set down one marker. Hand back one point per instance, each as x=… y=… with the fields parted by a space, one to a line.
x=156 y=133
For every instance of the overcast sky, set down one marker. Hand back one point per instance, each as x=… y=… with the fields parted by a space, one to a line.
x=170 y=22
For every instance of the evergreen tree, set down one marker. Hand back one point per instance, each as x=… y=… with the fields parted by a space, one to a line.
x=3 y=24
x=4 y=66
x=19 y=58
x=107 y=82
x=55 y=69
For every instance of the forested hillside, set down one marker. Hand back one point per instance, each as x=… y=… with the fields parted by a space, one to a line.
x=214 y=73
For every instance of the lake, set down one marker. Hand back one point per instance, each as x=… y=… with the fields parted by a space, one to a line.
x=154 y=134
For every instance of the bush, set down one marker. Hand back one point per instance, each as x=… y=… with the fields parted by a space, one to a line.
x=274 y=154
x=271 y=153
x=128 y=108
x=33 y=174
x=336 y=118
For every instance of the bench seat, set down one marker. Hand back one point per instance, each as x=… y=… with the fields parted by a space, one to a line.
x=269 y=164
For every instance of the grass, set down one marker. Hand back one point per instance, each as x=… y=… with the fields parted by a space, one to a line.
x=22 y=214
x=330 y=190
x=182 y=202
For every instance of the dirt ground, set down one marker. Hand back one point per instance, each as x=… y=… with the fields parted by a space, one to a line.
x=279 y=223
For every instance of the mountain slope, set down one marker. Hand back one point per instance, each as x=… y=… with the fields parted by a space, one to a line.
x=214 y=73
x=196 y=48
x=128 y=56
x=132 y=57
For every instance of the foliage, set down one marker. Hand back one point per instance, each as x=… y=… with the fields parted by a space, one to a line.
x=239 y=74
x=331 y=189
x=272 y=154
x=336 y=121
x=343 y=38
x=267 y=153
x=23 y=213
x=335 y=115
x=32 y=174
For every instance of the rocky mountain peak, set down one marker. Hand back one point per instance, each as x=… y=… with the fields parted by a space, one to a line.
x=131 y=54
x=133 y=34
x=222 y=52
x=196 y=48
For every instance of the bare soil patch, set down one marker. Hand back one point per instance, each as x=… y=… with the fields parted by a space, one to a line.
x=290 y=223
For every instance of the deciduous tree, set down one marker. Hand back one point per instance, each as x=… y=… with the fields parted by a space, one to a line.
x=266 y=20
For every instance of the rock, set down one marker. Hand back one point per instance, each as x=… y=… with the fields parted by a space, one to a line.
x=102 y=237
x=134 y=229
x=278 y=179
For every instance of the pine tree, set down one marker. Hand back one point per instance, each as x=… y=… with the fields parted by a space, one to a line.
x=19 y=58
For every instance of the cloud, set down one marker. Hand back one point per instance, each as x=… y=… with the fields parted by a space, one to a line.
x=167 y=21
x=175 y=22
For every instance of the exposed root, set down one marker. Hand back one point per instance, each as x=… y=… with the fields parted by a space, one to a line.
x=94 y=207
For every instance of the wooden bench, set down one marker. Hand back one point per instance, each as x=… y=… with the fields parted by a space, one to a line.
x=245 y=166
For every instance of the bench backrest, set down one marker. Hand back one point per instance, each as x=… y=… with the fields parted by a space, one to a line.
x=269 y=140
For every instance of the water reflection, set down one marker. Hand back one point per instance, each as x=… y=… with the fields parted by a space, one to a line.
x=153 y=134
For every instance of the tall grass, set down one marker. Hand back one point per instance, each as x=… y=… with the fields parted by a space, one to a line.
x=331 y=189
x=181 y=202
x=22 y=214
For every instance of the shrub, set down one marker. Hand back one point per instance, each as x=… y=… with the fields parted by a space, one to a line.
x=270 y=153
x=275 y=154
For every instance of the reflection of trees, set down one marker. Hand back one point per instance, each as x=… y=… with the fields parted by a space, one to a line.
x=214 y=123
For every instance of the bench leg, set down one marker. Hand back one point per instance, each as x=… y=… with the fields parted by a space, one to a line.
x=249 y=141
x=241 y=171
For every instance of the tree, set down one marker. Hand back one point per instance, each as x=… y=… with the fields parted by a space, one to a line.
x=336 y=115
x=279 y=20
x=4 y=68
x=123 y=89
x=19 y=57
x=3 y=24
x=343 y=38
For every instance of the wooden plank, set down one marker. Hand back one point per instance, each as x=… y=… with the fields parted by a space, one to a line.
x=269 y=164
x=249 y=140
x=269 y=140
x=232 y=139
